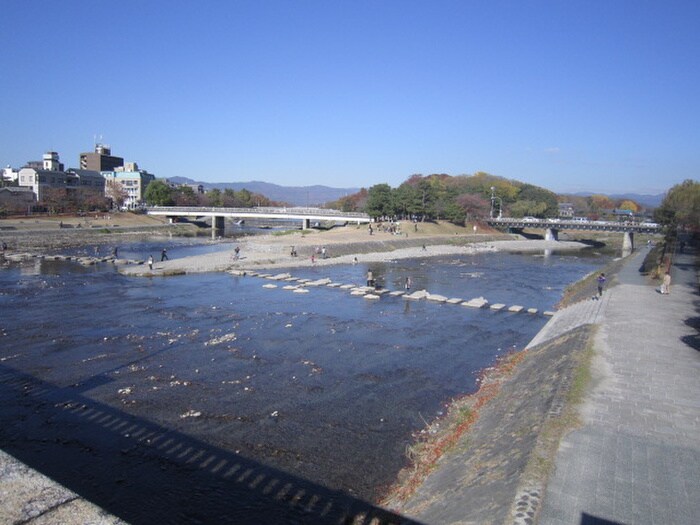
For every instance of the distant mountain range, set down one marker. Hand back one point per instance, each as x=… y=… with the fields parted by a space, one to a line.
x=317 y=195
x=294 y=195
x=649 y=201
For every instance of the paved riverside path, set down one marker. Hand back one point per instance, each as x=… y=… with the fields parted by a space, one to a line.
x=636 y=458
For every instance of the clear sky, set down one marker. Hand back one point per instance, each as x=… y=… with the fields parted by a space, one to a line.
x=592 y=95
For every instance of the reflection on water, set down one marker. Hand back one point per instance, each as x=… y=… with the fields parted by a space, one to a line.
x=323 y=386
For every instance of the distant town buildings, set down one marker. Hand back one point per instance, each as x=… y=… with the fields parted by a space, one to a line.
x=566 y=209
x=131 y=181
x=100 y=174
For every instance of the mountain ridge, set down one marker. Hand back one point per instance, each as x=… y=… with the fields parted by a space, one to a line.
x=296 y=195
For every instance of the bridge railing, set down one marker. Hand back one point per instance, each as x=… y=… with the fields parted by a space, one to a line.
x=263 y=210
x=577 y=224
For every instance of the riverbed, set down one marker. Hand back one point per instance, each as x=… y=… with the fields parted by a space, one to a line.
x=129 y=388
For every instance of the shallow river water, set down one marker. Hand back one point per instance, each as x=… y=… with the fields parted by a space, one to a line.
x=209 y=399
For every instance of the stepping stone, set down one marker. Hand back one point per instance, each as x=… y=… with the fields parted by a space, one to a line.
x=333 y=285
x=397 y=293
x=239 y=273
x=319 y=282
x=280 y=276
x=346 y=286
x=381 y=292
x=454 y=300
x=269 y=286
x=548 y=313
x=289 y=287
x=498 y=307
x=516 y=309
x=477 y=302
x=532 y=310
x=300 y=290
x=420 y=294
x=371 y=296
x=358 y=292
x=437 y=298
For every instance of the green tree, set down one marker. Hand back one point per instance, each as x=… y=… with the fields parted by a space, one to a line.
x=158 y=193
x=214 y=197
x=540 y=202
x=379 y=201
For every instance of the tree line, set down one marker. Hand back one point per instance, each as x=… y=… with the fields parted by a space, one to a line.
x=471 y=197
x=159 y=193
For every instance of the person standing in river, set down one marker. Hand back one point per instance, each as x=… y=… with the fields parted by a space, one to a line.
x=407 y=284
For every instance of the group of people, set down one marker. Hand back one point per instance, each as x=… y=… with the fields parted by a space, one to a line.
x=371 y=281
x=163 y=257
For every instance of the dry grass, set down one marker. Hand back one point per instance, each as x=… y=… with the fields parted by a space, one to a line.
x=445 y=434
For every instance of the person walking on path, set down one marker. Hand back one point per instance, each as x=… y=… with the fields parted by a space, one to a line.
x=666 y=284
x=164 y=255
x=150 y=262
x=601 y=283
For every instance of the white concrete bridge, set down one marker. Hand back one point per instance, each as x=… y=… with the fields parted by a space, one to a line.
x=219 y=215
x=553 y=226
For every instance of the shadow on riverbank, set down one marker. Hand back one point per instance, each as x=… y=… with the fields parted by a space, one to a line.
x=145 y=473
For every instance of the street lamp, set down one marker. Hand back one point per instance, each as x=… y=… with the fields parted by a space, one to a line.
x=493 y=203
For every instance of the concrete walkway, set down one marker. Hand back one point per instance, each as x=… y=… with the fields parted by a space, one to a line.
x=27 y=497
x=636 y=459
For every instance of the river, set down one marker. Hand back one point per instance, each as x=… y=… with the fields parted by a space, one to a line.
x=155 y=396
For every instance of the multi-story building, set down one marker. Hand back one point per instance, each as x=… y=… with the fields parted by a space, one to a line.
x=131 y=181
x=100 y=160
x=43 y=175
x=49 y=174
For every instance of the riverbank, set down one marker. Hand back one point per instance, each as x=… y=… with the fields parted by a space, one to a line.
x=538 y=442
x=342 y=246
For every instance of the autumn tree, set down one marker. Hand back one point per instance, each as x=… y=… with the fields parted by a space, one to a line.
x=474 y=206
x=629 y=205
x=115 y=191
x=680 y=207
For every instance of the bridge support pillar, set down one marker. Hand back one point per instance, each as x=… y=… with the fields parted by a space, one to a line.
x=217 y=226
x=628 y=243
x=305 y=224
x=551 y=234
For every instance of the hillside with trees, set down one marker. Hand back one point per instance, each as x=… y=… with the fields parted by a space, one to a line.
x=470 y=197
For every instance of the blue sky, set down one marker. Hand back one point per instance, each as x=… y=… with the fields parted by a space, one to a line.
x=593 y=95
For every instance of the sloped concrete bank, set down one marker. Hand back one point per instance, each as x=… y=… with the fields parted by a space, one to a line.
x=497 y=460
